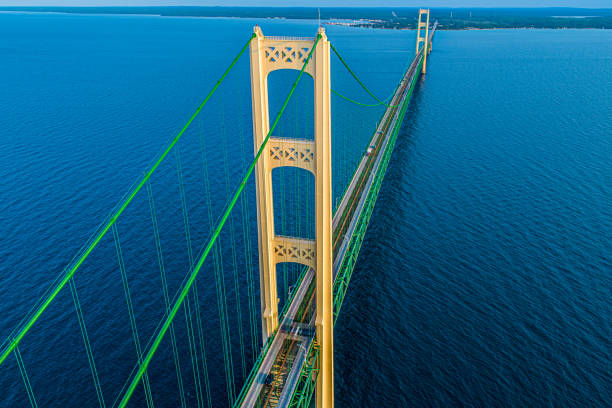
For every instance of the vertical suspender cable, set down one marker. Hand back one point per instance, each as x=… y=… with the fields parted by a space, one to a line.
x=220 y=288
x=193 y=344
x=25 y=378
x=88 y=349
x=246 y=219
x=130 y=306
x=233 y=251
x=162 y=269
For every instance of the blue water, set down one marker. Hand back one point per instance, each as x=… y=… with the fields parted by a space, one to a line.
x=484 y=279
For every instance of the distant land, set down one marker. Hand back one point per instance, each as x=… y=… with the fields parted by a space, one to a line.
x=389 y=18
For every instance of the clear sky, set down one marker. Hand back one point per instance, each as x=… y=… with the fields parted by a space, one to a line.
x=319 y=3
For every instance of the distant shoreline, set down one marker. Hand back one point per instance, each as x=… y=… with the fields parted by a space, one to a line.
x=375 y=18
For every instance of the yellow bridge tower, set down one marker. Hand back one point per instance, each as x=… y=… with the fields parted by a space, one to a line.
x=425 y=40
x=269 y=54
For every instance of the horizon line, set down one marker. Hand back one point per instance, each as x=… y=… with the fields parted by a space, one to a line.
x=307 y=7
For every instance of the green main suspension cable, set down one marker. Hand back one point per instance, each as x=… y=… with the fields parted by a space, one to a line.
x=380 y=102
x=116 y=215
x=183 y=294
x=370 y=105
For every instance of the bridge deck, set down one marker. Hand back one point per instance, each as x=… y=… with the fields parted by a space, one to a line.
x=274 y=382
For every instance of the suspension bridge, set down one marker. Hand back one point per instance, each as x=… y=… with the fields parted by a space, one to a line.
x=291 y=347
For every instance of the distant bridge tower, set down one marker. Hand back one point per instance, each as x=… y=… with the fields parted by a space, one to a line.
x=424 y=40
x=269 y=54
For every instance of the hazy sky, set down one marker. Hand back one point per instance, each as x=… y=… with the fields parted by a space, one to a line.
x=319 y=3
